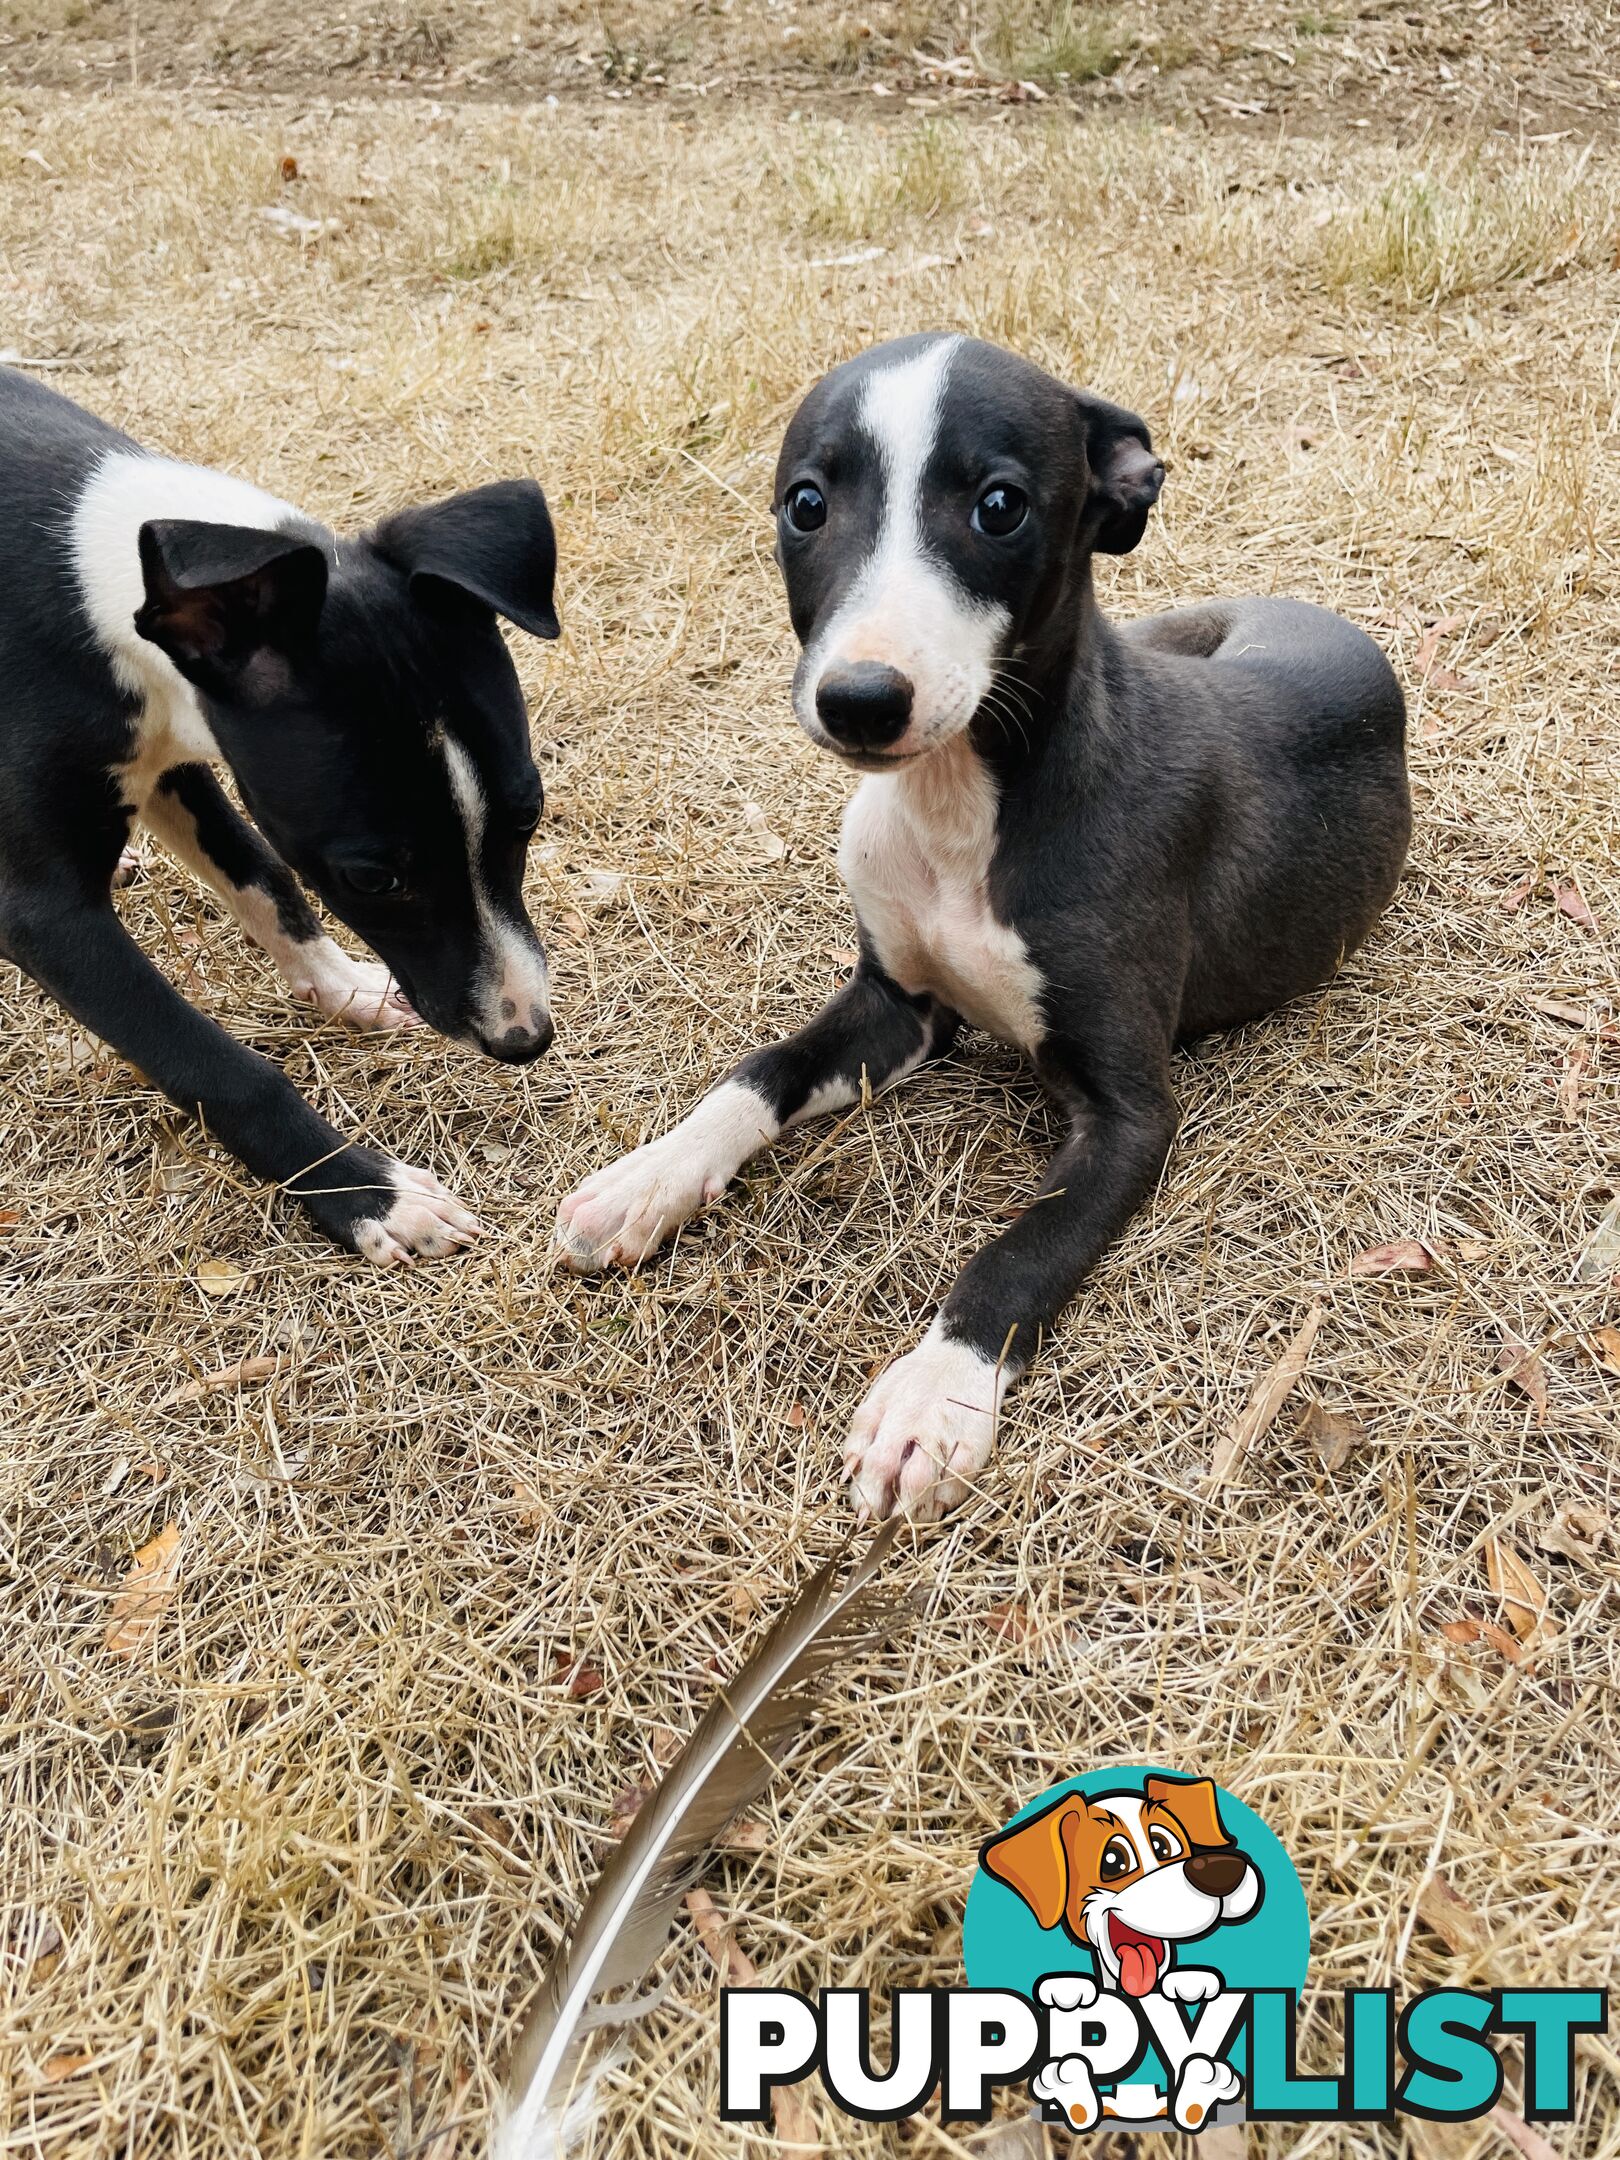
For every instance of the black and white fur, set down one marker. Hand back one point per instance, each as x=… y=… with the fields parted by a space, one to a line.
x=157 y=620
x=1091 y=841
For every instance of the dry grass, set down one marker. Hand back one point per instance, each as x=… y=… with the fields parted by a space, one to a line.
x=275 y=1881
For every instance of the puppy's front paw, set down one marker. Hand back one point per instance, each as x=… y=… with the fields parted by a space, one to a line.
x=424 y=1223
x=626 y=1211
x=390 y=1212
x=924 y=1431
x=361 y=993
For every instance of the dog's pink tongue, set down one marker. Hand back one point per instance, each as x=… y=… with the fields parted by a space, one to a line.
x=1138 y=1967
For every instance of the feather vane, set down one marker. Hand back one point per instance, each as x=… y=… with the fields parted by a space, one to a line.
x=625 y=1923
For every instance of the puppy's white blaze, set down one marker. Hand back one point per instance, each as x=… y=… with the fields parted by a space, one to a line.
x=125 y=491
x=515 y=975
x=905 y=609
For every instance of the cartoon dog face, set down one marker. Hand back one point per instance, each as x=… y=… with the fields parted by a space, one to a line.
x=1129 y=1875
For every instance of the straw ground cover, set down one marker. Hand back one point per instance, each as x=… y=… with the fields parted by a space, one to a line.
x=295 y=1805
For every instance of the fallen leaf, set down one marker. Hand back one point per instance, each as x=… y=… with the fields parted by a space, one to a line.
x=1518 y=2132
x=1604 y=1344
x=1523 y=1598
x=736 y=1968
x=1461 y=1631
x=628 y=1803
x=602 y=887
x=148 y=1592
x=1429 y=644
x=1572 y=902
x=1577 y=1015
x=10 y=1217
x=1266 y=1398
x=1332 y=1436
x=1444 y=678
x=1579 y=1533
x=772 y=847
x=289 y=168
x=1521 y=1368
x=244 y=1371
x=1014 y=1623
x=1599 y=1258
x=58 y=2067
x=218 y=1278
x=745 y=1835
x=1569 y=1087
x=580 y=1679
x=1405 y=1257
x=796 y=1416
x=1516 y=895
x=1452 y=1918
x=1501 y=1642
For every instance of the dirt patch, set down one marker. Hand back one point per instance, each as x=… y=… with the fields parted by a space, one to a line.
x=1364 y=64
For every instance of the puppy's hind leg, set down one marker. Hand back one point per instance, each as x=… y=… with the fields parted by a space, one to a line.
x=195 y=820
x=871 y=1032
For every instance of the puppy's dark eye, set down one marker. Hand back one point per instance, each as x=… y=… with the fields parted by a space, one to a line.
x=1118 y=1859
x=372 y=880
x=1164 y=1845
x=805 y=507
x=1000 y=510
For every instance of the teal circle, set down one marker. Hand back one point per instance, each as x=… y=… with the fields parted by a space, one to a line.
x=1003 y=1945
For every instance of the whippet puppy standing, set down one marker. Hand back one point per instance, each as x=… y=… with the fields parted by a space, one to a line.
x=1092 y=841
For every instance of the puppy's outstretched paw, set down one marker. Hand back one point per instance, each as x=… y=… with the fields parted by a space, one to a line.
x=129 y=868
x=924 y=1431
x=626 y=1211
x=362 y=994
x=425 y=1222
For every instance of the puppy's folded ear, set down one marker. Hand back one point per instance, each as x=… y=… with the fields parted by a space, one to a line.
x=494 y=545
x=1033 y=1860
x=1125 y=475
x=1193 y=1802
x=218 y=594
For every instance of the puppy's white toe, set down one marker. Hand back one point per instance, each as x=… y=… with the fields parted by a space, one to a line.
x=128 y=868
x=425 y=1222
x=924 y=1431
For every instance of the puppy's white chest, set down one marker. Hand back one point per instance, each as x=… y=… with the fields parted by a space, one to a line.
x=915 y=855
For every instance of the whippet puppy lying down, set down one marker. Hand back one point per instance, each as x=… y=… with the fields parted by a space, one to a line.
x=1093 y=841
x=158 y=619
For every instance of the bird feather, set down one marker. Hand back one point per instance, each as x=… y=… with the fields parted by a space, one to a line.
x=625 y=1924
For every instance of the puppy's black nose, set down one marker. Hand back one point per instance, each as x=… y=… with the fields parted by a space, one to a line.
x=1217 y=1874
x=522 y=1045
x=864 y=704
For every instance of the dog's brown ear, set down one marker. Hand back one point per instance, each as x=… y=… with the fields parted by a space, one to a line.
x=1034 y=1861
x=1125 y=475
x=1193 y=1803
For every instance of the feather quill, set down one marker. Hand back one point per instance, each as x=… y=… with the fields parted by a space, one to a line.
x=726 y=1764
